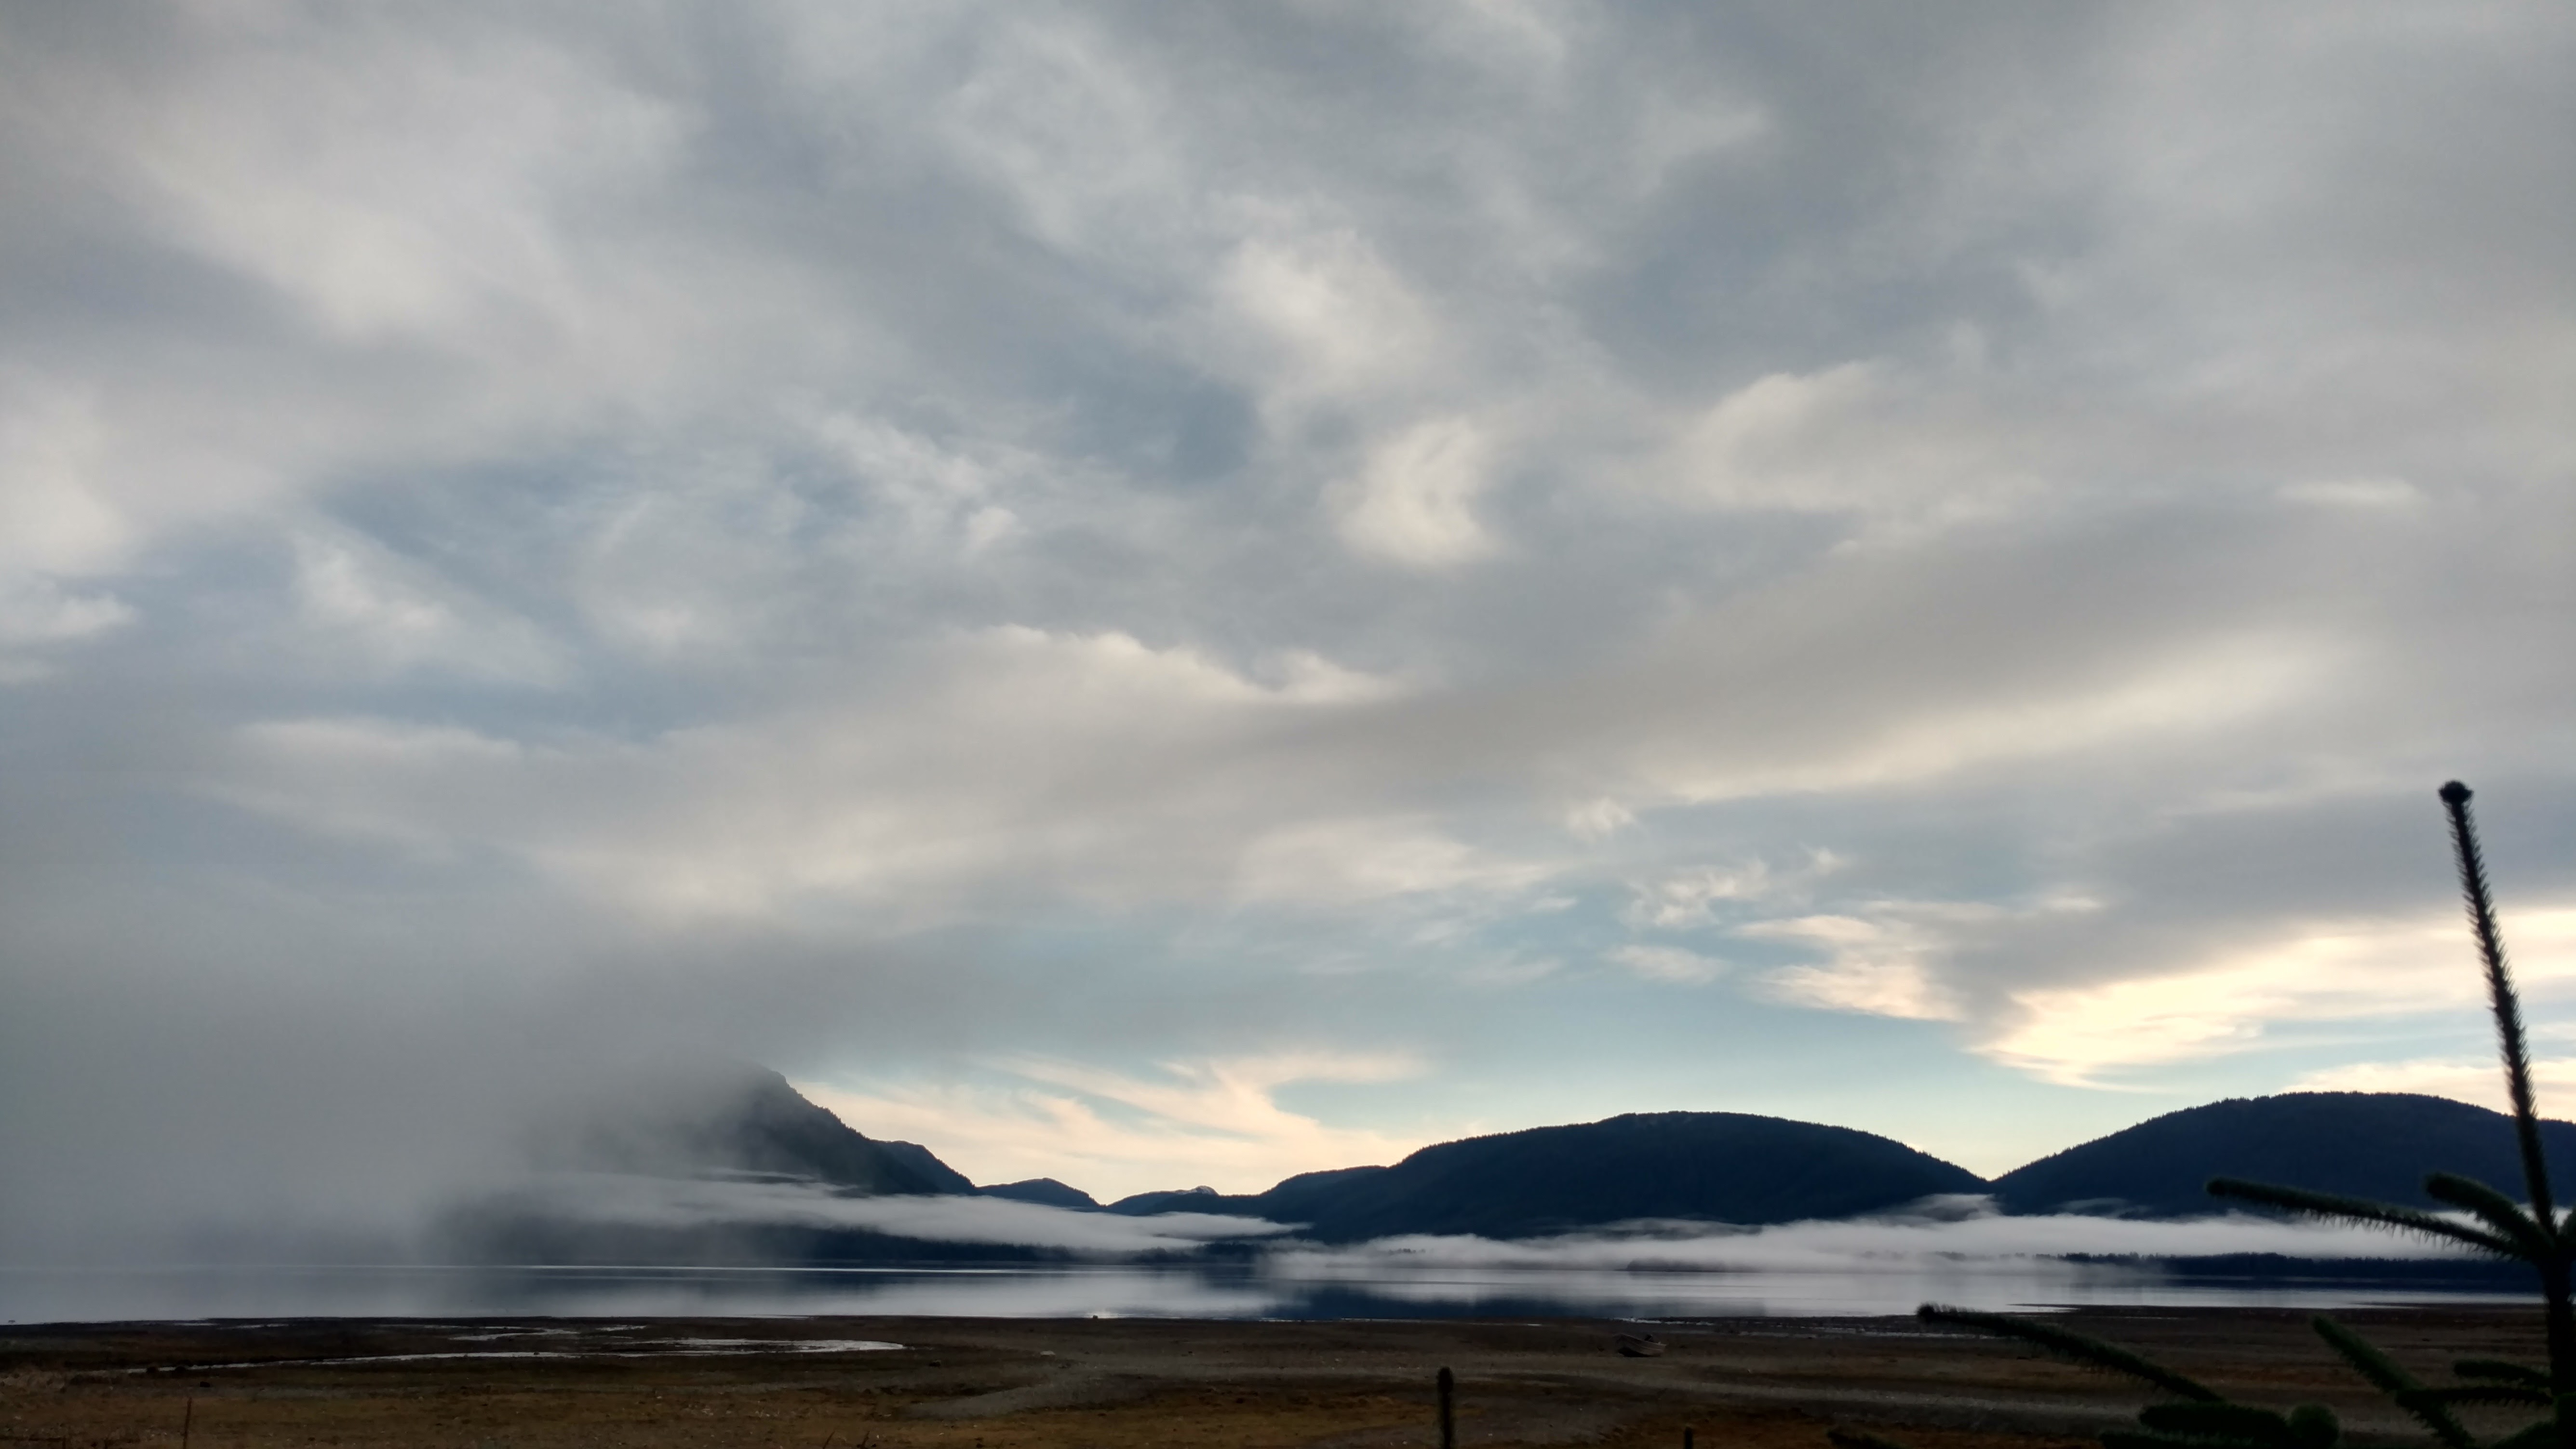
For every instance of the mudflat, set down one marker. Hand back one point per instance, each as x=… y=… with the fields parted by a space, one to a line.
x=1006 y=1383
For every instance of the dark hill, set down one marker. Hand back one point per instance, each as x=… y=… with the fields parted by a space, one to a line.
x=1044 y=1190
x=2363 y=1144
x=700 y=1122
x=735 y=1120
x=1711 y=1166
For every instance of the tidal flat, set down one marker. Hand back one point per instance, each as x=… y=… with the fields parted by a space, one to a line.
x=960 y=1383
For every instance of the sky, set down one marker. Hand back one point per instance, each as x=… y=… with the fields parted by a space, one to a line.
x=1170 y=597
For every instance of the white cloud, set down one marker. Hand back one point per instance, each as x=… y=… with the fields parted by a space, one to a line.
x=1598 y=819
x=1347 y=861
x=392 y=189
x=1885 y=966
x=1340 y=323
x=1894 y=1243
x=54 y=516
x=968 y=784
x=1211 y=1123
x=691 y=1203
x=42 y=611
x=1669 y=964
x=1691 y=897
x=2207 y=687
x=2358 y=971
x=1871 y=985
x=2477 y=1081
x=1859 y=437
x=387 y=615
x=1414 y=499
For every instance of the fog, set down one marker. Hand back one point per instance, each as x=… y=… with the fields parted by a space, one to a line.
x=664 y=1203
x=1981 y=1241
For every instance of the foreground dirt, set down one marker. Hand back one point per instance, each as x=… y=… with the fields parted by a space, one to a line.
x=1005 y=1384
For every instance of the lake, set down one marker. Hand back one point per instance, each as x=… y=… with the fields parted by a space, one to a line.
x=1238 y=1291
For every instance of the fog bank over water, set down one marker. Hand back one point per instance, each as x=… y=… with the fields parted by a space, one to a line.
x=1879 y=1245
x=606 y=1200
x=1955 y=1230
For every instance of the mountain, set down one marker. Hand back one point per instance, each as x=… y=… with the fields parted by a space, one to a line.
x=2361 y=1144
x=618 y=1170
x=1712 y=1166
x=734 y=1120
x=1044 y=1190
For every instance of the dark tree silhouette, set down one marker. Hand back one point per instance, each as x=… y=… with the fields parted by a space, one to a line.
x=2531 y=1232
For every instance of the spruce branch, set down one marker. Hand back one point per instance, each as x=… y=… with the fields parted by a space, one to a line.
x=2497 y=1369
x=2073 y=1347
x=2315 y=1426
x=2558 y=1296
x=2361 y=1210
x=2386 y=1375
x=2451 y=1394
x=2539 y=1435
x=2533 y=1241
x=2500 y=996
x=2233 y=1423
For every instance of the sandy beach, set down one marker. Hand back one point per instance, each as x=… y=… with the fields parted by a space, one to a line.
x=1003 y=1384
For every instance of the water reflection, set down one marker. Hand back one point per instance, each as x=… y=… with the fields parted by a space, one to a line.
x=1259 y=1290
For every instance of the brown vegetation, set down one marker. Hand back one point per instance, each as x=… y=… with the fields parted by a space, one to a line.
x=1012 y=1384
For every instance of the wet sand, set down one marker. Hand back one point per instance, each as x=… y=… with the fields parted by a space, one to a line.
x=1004 y=1384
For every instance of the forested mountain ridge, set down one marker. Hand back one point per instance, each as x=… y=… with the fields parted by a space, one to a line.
x=1712 y=1166
x=2377 y=1145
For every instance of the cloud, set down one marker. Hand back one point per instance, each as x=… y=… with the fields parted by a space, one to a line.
x=1669 y=964
x=1876 y=1246
x=2459 y=1078
x=696 y=1203
x=897 y=539
x=1354 y=860
x=2382 y=969
x=1214 y=1123
x=931 y=793
x=377 y=612
x=1413 y=500
x=1877 y=967
x=1692 y=897
x=1598 y=819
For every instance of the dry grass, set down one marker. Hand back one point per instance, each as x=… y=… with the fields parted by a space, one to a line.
x=988 y=1384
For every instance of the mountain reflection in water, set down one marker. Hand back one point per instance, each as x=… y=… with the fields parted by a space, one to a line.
x=29 y=1295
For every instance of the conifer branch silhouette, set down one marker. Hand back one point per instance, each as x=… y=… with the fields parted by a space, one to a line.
x=2075 y=1348
x=2383 y=1373
x=2552 y=1264
x=2363 y=1210
x=2529 y=1232
x=2512 y=1373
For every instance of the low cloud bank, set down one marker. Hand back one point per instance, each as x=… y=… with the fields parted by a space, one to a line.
x=1953 y=1234
x=1950 y=1234
x=621 y=1200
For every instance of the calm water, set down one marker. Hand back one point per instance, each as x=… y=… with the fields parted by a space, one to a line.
x=97 y=1295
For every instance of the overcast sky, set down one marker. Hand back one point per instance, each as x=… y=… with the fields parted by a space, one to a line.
x=1169 y=595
